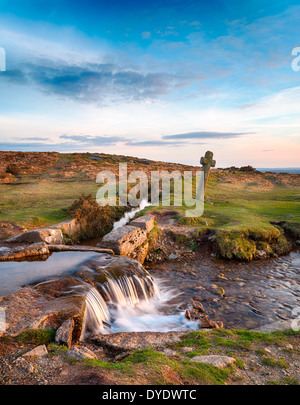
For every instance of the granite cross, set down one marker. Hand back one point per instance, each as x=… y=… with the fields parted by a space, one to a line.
x=207 y=162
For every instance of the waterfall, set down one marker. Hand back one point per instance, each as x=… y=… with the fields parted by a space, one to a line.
x=121 y=296
x=96 y=314
x=110 y=299
x=129 y=290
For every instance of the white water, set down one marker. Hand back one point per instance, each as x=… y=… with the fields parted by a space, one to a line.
x=96 y=312
x=132 y=304
x=129 y=215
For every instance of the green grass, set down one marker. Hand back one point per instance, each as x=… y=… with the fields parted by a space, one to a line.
x=157 y=368
x=270 y=361
x=240 y=214
x=36 y=336
x=161 y=370
x=233 y=339
x=42 y=201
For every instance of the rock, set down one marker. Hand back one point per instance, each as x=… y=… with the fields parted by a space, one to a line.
x=131 y=341
x=46 y=235
x=81 y=352
x=20 y=252
x=218 y=290
x=124 y=240
x=197 y=305
x=69 y=227
x=146 y=222
x=140 y=253
x=172 y=256
x=39 y=308
x=169 y=352
x=272 y=327
x=214 y=360
x=78 y=248
x=205 y=322
x=30 y=368
x=38 y=351
x=187 y=349
x=63 y=334
x=261 y=254
x=298 y=242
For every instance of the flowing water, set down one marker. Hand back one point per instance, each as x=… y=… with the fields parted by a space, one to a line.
x=131 y=303
x=256 y=293
x=130 y=214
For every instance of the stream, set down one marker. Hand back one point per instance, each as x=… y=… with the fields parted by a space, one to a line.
x=254 y=293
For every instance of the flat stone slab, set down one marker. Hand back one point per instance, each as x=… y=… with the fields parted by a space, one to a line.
x=123 y=240
x=38 y=308
x=38 y=351
x=80 y=352
x=46 y=235
x=214 y=360
x=69 y=227
x=131 y=341
x=19 y=252
x=146 y=222
x=78 y=248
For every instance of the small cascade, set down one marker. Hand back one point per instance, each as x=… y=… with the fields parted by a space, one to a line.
x=130 y=214
x=121 y=296
x=96 y=315
x=129 y=290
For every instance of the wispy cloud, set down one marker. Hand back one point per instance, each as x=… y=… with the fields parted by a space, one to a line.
x=206 y=135
x=90 y=140
x=95 y=82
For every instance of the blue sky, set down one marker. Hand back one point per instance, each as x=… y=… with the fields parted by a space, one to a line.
x=166 y=80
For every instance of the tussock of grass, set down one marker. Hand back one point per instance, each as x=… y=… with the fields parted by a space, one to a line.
x=247 y=243
x=37 y=336
x=270 y=361
x=98 y=220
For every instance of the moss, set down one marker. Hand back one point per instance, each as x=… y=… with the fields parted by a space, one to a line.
x=290 y=381
x=234 y=338
x=245 y=243
x=153 y=235
x=292 y=228
x=234 y=245
x=270 y=361
x=239 y=363
x=273 y=382
x=54 y=349
x=36 y=336
x=190 y=372
x=281 y=246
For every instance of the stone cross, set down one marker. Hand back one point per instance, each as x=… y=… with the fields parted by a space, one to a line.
x=207 y=162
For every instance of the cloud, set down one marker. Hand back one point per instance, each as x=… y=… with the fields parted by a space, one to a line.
x=206 y=135
x=146 y=35
x=154 y=143
x=88 y=140
x=70 y=142
x=95 y=82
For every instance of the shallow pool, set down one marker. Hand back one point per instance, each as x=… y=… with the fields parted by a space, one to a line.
x=15 y=274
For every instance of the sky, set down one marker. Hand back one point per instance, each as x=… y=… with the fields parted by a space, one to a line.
x=164 y=80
